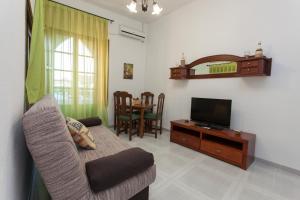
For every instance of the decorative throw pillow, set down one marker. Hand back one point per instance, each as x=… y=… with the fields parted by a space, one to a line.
x=81 y=134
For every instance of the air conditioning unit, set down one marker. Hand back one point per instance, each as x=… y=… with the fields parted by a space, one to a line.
x=129 y=32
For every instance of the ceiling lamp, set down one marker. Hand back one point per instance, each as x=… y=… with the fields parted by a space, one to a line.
x=156 y=9
x=132 y=7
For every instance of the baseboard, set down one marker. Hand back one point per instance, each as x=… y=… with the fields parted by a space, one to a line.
x=276 y=165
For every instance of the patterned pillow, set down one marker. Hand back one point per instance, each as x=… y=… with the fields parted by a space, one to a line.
x=81 y=134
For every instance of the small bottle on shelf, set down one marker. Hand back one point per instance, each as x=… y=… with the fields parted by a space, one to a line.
x=182 y=61
x=259 y=51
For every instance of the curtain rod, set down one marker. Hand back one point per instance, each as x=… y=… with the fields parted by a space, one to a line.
x=82 y=11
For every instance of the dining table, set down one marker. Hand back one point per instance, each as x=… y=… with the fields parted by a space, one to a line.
x=141 y=107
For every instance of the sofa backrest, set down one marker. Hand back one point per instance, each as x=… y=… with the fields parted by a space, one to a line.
x=53 y=151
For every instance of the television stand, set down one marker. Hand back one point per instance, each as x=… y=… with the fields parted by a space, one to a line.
x=216 y=127
x=201 y=124
x=212 y=126
x=237 y=148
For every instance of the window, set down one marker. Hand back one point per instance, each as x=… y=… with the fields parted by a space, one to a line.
x=73 y=73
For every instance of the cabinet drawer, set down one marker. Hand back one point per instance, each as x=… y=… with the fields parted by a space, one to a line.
x=186 y=140
x=222 y=151
x=253 y=63
x=249 y=70
x=176 y=71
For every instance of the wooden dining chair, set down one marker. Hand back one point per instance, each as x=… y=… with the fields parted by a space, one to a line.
x=125 y=117
x=155 y=118
x=147 y=98
x=115 y=108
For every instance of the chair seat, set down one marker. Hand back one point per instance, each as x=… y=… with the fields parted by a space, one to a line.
x=137 y=112
x=151 y=116
x=127 y=118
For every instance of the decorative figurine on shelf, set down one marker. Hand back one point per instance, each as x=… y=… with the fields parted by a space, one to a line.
x=136 y=101
x=182 y=61
x=259 y=51
x=247 y=54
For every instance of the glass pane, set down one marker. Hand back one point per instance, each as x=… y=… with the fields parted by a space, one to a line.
x=86 y=80
x=81 y=65
x=63 y=61
x=66 y=46
x=63 y=96
x=86 y=64
x=62 y=79
x=83 y=50
x=89 y=65
x=86 y=96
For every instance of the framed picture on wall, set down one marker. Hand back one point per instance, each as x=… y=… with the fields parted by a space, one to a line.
x=128 y=71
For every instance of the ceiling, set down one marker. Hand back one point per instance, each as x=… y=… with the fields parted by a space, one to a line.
x=119 y=6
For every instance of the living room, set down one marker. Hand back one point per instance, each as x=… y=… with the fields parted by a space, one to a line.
x=185 y=35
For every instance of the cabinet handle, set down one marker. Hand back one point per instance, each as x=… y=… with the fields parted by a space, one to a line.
x=248 y=69
x=249 y=63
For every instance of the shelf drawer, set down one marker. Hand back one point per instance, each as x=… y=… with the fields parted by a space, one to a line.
x=185 y=140
x=252 y=67
x=222 y=151
x=250 y=70
x=251 y=64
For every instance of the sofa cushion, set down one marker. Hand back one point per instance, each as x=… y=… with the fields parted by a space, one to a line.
x=109 y=144
x=54 y=152
x=93 y=121
x=81 y=134
x=109 y=171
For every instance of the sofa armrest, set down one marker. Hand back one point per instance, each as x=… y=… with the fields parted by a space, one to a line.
x=89 y=122
x=106 y=172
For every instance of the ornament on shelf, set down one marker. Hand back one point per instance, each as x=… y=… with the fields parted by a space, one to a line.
x=259 y=51
x=182 y=61
x=247 y=53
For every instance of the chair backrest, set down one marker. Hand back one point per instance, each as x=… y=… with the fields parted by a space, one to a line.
x=115 y=100
x=147 y=98
x=124 y=104
x=160 y=105
x=53 y=151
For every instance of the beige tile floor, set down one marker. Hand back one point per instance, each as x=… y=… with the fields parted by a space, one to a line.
x=183 y=174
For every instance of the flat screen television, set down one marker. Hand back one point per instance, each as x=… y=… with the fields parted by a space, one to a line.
x=211 y=112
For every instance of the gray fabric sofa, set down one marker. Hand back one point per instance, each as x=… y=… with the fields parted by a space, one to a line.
x=62 y=165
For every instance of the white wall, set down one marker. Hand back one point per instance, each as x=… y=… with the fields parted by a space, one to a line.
x=14 y=161
x=267 y=106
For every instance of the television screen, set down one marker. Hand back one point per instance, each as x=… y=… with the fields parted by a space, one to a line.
x=211 y=111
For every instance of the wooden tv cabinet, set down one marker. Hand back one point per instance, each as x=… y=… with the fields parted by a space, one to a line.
x=226 y=145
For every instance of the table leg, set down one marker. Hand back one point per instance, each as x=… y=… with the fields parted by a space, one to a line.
x=142 y=124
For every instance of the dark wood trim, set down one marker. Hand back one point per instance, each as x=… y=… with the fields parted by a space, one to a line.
x=29 y=14
x=28 y=35
x=207 y=76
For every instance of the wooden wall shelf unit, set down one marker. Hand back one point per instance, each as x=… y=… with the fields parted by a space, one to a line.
x=246 y=67
x=226 y=145
x=181 y=72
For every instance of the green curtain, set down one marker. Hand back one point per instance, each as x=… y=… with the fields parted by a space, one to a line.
x=74 y=68
x=35 y=81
